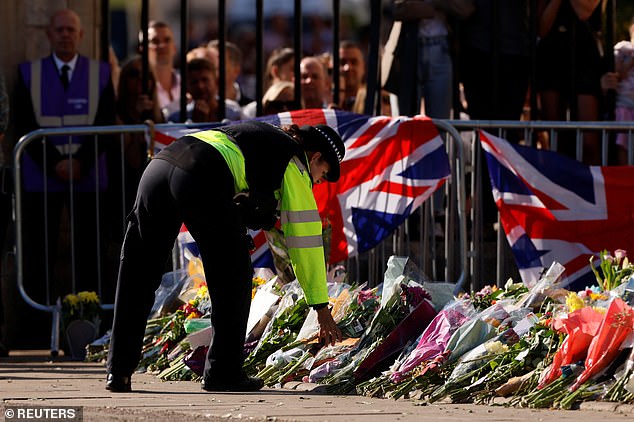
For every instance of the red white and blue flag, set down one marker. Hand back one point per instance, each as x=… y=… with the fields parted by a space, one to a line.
x=391 y=166
x=554 y=208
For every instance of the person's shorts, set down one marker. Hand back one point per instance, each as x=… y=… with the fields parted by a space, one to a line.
x=567 y=69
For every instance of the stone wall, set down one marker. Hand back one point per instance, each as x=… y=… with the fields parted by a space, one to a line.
x=24 y=24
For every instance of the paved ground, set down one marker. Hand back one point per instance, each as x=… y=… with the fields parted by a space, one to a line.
x=33 y=379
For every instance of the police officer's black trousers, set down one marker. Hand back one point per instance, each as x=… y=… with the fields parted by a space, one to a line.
x=203 y=200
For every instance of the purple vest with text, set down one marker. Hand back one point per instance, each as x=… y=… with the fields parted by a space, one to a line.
x=55 y=107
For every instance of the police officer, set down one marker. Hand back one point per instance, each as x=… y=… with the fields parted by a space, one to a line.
x=219 y=182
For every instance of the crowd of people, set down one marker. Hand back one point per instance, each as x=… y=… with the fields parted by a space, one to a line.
x=481 y=56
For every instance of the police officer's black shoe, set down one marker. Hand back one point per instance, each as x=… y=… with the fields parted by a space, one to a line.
x=118 y=384
x=243 y=384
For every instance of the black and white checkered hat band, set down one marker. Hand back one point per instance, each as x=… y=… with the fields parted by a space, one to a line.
x=332 y=144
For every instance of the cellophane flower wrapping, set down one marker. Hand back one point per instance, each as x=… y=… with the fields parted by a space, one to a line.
x=473 y=364
x=434 y=339
x=390 y=313
x=405 y=331
x=281 y=330
x=580 y=327
x=359 y=312
x=480 y=328
x=341 y=294
x=615 y=327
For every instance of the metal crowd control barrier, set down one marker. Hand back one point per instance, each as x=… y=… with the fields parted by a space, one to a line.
x=445 y=260
x=53 y=305
x=483 y=255
x=485 y=261
x=456 y=253
x=435 y=236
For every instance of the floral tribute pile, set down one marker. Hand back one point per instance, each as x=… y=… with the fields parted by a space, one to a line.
x=538 y=346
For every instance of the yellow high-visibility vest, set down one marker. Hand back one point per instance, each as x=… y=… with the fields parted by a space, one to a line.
x=302 y=229
x=230 y=152
x=299 y=216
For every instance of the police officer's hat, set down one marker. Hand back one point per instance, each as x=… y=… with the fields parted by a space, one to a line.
x=324 y=139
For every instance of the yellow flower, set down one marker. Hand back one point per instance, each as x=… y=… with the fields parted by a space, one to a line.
x=88 y=297
x=600 y=310
x=202 y=291
x=83 y=305
x=598 y=296
x=258 y=281
x=71 y=300
x=574 y=302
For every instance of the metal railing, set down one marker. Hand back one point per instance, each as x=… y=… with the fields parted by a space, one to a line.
x=491 y=261
x=441 y=256
x=51 y=304
x=486 y=260
x=447 y=245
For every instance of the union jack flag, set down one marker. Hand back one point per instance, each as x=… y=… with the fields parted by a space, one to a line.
x=391 y=166
x=554 y=208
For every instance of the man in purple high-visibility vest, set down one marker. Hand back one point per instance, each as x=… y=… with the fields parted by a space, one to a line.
x=64 y=89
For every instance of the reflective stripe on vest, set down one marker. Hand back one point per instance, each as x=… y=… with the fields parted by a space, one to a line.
x=71 y=119
x=307 y=216
x=304 y=241
x=300 y=219
x=303 y=232
x=230 y=152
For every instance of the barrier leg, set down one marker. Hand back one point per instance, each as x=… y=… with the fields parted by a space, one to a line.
x=57 y=312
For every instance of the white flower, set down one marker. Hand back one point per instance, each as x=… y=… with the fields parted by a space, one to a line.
x=496 y=347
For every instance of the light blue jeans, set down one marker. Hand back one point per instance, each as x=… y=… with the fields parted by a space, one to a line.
x=434 y=86
x=435 y=76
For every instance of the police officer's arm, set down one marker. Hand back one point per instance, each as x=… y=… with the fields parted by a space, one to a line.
x=302 y=229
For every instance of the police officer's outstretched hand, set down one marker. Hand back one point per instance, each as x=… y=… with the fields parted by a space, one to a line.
x=329 y=333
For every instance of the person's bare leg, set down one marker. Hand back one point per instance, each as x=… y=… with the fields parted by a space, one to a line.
x=588 y=111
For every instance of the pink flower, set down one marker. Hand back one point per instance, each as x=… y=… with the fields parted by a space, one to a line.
x=620 y=254
x=365 y=295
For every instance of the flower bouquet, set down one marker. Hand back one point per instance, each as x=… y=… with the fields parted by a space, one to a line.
x=434 y=339
x=472 y=367
x=281 y=331
x=623 y=389
x=605 y=346
x=421 y=313
x=81 y=306
x=614 y=269
x=581 y=326
x=359 y=312
x=431 y=344
x=386 y=335
x=177 y=361
x=512 y=369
